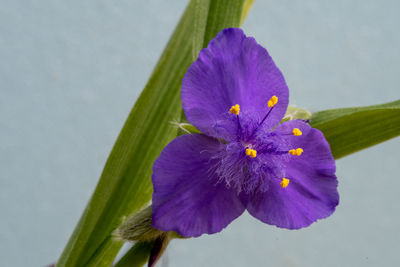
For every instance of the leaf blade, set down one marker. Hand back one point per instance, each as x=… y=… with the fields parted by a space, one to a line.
x=125 y=186
x=350 y=130
x=199 y=26
x=222 y=14
x=137 y=255
x=116 y=194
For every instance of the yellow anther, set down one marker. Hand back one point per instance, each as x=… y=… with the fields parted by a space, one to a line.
x=272 y=102
x=235 y=109
x=296 y=152
x=299 y=151
x=251 y=152
x=285 y=182
x=297 y=132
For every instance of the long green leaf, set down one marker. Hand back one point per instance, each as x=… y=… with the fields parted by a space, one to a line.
x=125 y=184
x=199 y=26
x=221 y=14
x=349 y=130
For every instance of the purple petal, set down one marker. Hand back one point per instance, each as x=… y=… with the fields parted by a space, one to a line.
x=232 y=70
x=312 y=191
x=188 y=197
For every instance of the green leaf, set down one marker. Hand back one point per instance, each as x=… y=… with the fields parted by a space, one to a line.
x=199 y=26
x=349 y=130
x=222 y=14
x=246 y=9
x=137 y=256
x=125 y=184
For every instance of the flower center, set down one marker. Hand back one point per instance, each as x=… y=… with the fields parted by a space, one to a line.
x=256 y=159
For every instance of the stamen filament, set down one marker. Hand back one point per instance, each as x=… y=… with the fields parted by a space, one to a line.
x=265 y=117
x=271 y=103
x=262 y=121
x=239 y=128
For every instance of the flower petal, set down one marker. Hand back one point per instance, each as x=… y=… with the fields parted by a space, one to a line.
x=312 y=191
x=188 y=197
x=232 y=70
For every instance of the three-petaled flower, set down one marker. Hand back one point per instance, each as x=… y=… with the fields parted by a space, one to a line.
x=282 y=174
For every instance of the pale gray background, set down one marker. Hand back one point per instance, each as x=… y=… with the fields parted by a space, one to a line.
x=70 y=72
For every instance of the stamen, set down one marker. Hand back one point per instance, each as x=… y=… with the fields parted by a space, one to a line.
x=284 y=182
x=239 y=128
x=297 y=132
x=251 y=152
x=235 y=109
x=272 y=102
x=296 y=152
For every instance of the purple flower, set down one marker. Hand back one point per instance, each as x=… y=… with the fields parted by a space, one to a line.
x=282 y=174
